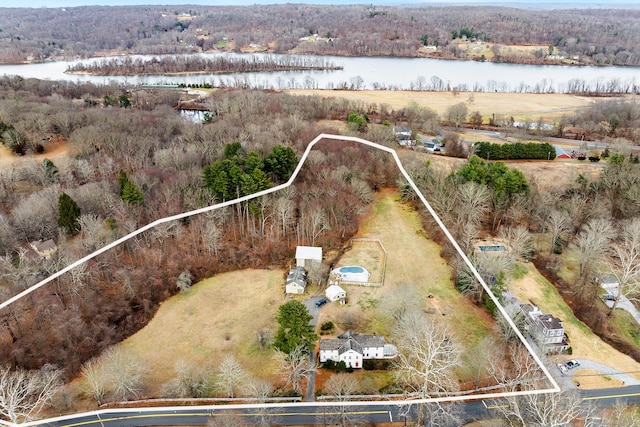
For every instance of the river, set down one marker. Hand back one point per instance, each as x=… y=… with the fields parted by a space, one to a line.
x=381 y=73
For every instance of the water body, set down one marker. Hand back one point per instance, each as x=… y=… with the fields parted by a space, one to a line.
x=379 y=73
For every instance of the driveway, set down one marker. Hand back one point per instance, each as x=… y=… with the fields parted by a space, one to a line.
x=568 y=379
x=623 y=302
x=310 y=303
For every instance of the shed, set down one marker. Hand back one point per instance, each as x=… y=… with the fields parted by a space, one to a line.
x=336 y=293
x=306 y=255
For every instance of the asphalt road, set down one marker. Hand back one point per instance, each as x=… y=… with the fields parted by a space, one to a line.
x=301 y=414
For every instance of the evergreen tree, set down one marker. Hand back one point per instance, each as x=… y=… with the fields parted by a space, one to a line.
x=132 y=194
x=295 y=329
x=68 y=214
x=50 y=171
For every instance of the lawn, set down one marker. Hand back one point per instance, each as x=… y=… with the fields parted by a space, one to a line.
x=218 y=316
x=414 y=267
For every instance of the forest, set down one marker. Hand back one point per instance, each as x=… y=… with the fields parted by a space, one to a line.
x=593 y=36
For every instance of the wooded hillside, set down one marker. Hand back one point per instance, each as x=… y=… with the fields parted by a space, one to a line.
x=594 y=36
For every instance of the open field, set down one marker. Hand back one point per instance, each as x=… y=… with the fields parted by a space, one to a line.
x=414 y=267
x=368 y=254
x=518 y=105
x=218 y=316
x=534 y=288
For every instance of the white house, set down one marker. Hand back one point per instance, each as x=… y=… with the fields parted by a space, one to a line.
x=336 y=293
x=352 y=349
x=306 y=255
x=545 y=329
x=296 y=281
x=403 y=133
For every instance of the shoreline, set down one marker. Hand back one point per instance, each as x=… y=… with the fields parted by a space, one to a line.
x=417 y=55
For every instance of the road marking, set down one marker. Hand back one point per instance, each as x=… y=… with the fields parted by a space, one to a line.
x=221 y=414
x=611 y=396
x=390 y=417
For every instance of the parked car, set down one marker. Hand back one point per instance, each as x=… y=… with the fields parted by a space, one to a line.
x=573 y=363
x=562 y=368
x=321 y=301
x=608 y=297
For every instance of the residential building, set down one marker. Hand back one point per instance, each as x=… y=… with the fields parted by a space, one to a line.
x=307 y=255
x=353 y=349
x=546 y=330
x=296 y=282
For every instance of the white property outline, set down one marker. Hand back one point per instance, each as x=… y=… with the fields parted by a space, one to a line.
x=554 y=389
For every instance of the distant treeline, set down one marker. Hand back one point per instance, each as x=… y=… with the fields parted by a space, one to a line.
x=128 y=66
x=517 y=151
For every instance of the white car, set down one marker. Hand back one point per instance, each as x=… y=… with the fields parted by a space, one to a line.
x=573 y=363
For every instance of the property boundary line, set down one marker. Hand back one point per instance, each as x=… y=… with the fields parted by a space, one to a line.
x=554 y=389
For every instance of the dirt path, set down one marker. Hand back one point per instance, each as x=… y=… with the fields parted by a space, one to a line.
x=53 y=151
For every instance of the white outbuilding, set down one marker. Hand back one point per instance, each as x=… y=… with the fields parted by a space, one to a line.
x=307 y=255
x=336 y=293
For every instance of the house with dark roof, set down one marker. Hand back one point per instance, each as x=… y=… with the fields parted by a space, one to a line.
x=546 y=330
x=352 y=349
x=39 y=250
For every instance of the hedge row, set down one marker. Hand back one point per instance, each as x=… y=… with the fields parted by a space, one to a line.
x=516 y=151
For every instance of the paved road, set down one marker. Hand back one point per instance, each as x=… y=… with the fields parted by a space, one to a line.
x=301 y=414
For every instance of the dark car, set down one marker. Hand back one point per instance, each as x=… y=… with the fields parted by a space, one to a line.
x=573 y=363
x=321 y=301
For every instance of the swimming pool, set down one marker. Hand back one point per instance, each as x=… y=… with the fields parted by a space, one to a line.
x=351 y=269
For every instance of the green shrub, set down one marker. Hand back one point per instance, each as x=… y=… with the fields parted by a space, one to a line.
x=341 y=366
x=519 y=150
x=368 y=365
x=326 y=326
x=329 y=364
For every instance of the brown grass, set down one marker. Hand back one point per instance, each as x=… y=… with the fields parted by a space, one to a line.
x=218 y=316
x=413 y=261
x=518 y=105
x=590 y=379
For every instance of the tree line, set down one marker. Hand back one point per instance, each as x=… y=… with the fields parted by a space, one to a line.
x=182 y=64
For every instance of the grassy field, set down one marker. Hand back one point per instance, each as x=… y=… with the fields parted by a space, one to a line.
x=518 y=105
x=414 y=267
x=218 y=316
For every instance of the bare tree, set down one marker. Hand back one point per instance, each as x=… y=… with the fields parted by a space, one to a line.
x=550 y=409
x=559 y=223
x=621 y=415
x=591 y=246
x=95 y=377
x=190 y=381
x=23 y=393
x=294 y=367
x=230 y=376
x=457 y=114
x=341 y=387
x=624 y=262
x=427 y=356
x=124 y=373
x=184 y=281
x=519 y=242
